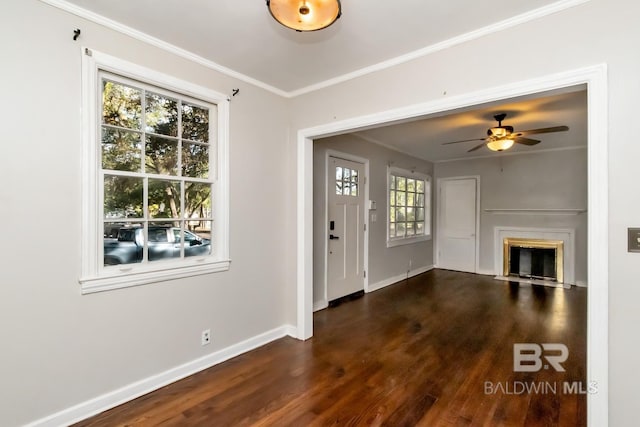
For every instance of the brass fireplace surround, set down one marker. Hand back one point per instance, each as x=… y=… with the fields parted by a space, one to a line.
x=558 y=245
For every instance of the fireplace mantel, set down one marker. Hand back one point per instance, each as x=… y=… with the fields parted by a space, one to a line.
x=566 y=235
x=529 y=211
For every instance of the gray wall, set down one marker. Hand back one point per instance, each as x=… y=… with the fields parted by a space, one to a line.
x=547 y=180
x=384 y=263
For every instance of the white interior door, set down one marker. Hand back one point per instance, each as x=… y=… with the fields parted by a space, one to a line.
x=457 y=220
x=345 y=257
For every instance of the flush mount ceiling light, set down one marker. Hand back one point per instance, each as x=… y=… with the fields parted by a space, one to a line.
x=305 y=15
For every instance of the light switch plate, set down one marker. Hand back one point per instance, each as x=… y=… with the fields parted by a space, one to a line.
x=634 y=240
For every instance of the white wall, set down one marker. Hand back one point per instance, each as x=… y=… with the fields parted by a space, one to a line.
x=60 y=348
x=596 y=32
x=546 y=180
x=384 y=263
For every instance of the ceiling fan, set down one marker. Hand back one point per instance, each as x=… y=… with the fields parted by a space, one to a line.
x=500 y=138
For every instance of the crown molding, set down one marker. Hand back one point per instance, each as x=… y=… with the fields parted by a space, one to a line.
x=387 y=146
x=154 y=41
x=462 y=159
x=428 y=50
x=513 y=153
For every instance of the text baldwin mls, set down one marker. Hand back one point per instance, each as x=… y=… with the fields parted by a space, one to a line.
x=540 y=387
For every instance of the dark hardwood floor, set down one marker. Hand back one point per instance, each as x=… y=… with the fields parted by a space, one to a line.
x=435 y=350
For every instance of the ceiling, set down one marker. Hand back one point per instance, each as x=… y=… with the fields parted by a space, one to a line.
x=424 y=137
x=240 y=38
x=241 y=35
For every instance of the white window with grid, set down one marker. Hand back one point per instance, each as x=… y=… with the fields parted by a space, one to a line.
x=155 y=189
x=409 y=207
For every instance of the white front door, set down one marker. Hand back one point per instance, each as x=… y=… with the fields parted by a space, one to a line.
x=457 y=213
x=345 y=230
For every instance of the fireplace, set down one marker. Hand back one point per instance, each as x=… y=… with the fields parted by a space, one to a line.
x=533 y=243
x=541 y=259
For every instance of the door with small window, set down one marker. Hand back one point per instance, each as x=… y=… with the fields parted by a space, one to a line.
x=345 y=257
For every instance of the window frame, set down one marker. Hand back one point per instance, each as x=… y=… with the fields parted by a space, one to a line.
x=428 y=221
x=94 y=277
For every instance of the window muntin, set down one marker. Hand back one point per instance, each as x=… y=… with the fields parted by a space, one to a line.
x=167 y=177
x=153 y=138
x=346 y=181
x=408 y=207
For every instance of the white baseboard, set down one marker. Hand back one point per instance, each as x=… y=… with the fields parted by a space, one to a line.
x=581 y=283
x=486 y=272
x=320 y=305
x=129 y=392
x=391 y=280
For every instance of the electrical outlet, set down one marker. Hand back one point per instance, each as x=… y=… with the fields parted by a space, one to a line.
x=206 y=337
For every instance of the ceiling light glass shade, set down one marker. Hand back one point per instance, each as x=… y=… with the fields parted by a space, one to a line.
x=500 y=144
x=305 y=15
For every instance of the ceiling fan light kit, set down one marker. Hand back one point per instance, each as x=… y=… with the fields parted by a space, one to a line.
x=305 y=15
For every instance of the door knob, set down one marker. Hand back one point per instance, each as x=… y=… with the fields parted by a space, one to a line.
x=332 y=237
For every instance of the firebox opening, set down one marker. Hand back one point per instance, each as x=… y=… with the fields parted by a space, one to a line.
x=533 y=263
x=539 y=259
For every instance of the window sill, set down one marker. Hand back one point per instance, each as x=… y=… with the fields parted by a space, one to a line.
x=93 y=284
x=407 y=241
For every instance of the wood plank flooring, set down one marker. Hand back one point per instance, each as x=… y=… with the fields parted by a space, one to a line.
x=422 y=352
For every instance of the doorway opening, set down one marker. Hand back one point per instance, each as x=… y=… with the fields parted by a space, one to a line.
x=595 y=78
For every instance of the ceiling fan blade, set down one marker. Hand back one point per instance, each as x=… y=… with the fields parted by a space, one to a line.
x=542 y=130
x=464 y=140
x=477 y=147
x=526 y=141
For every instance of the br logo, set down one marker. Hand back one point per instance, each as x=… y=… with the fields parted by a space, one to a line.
x=527 y=357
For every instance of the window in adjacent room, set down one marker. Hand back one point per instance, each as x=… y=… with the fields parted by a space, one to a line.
x=409 y=213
